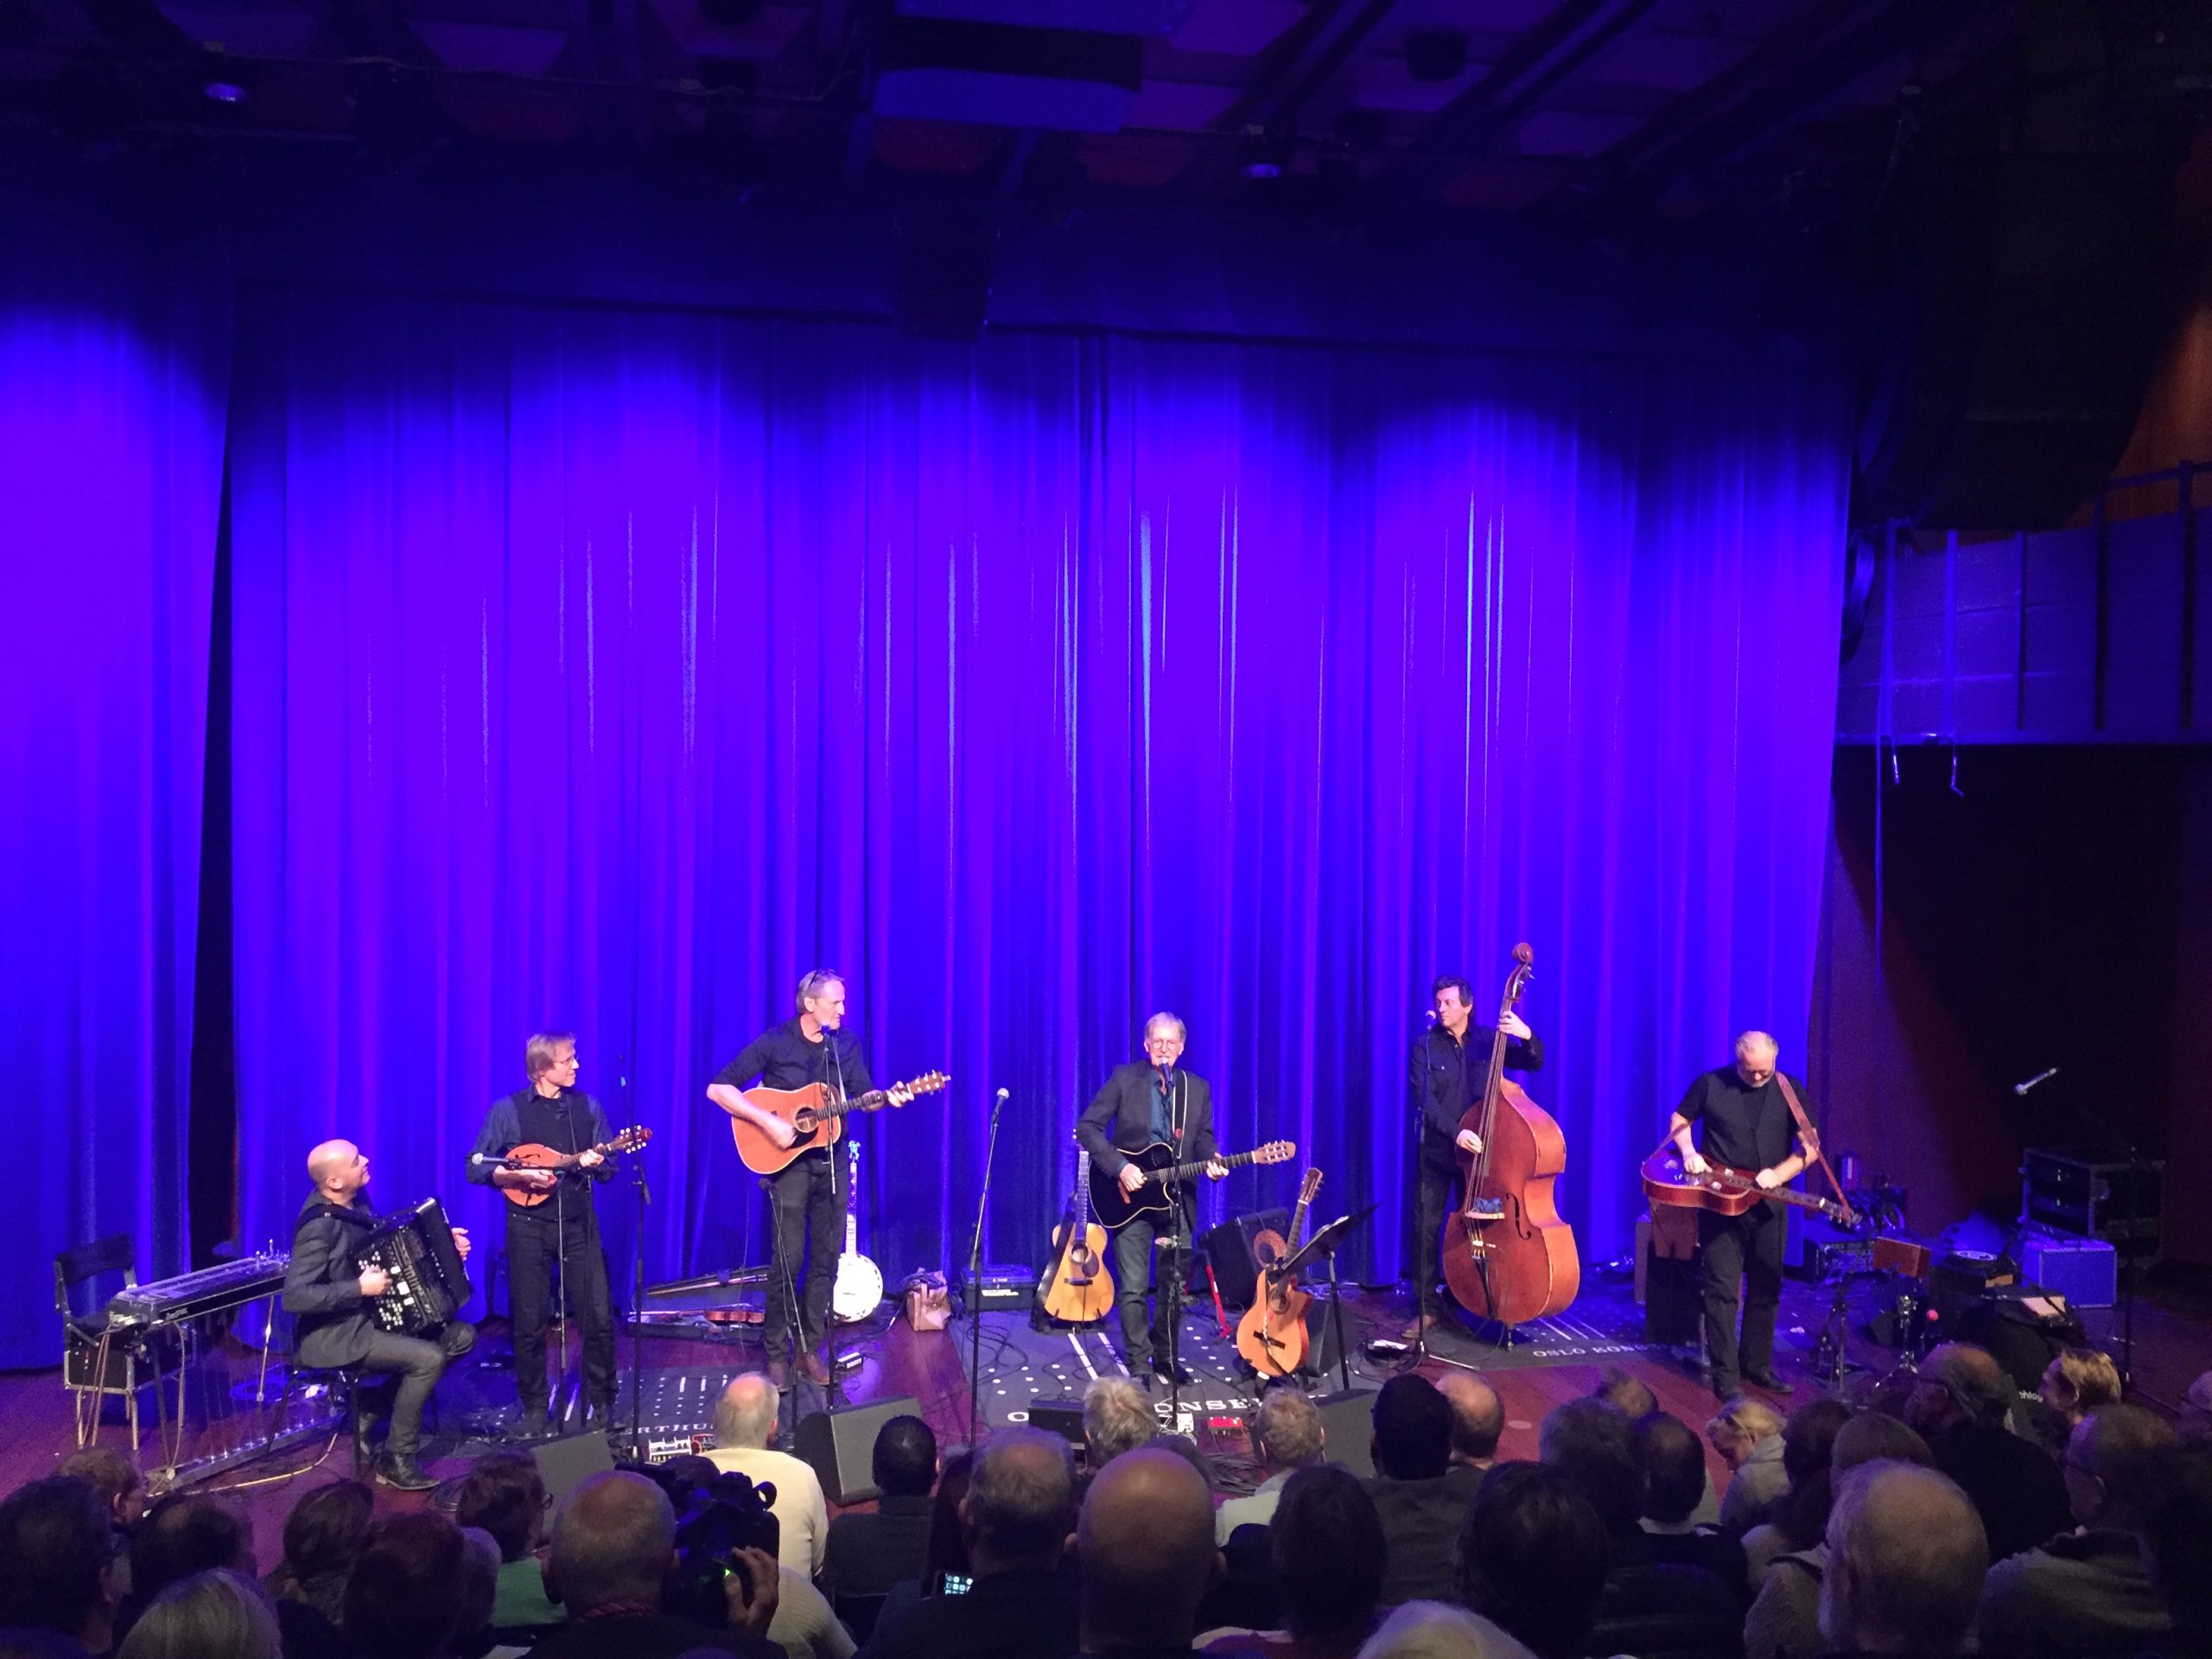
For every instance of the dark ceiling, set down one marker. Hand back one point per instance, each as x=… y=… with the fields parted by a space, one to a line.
x=1611 y=112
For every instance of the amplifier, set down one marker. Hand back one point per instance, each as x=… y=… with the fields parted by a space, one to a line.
x=2085 y=1271
x=1002 y=1288
x=2097 y=1194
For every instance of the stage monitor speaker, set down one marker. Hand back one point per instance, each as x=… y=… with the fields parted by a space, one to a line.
x=1229 y=1248
x=1060 y=1417
x=2013 y=1325
x=564 y=1465
x=1348 y=1425
x=839 y=1445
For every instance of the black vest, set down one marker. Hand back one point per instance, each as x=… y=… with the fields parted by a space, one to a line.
x=565 y=1126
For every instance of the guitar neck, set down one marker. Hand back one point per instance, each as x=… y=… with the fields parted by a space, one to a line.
x=1827 y=1207
x=1183 y=1172
x=1081 y=1192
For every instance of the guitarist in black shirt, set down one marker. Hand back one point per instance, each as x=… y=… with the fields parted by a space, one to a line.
x=1142 y=1104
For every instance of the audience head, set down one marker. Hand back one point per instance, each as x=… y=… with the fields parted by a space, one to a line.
x=1959 y=1383
x=1739 y=1427
x=187 y=1533
x=1187 y=1449
x=1116 y=1417
x=1807 y=1448
x=948 y=1545
x=222 y=1614
x=2111 y=1465
x=1286 y=1429
x=903 y=1462
x=1020 y=1501
x=407 y=1593
x=1435 y=1629
x=1596 y=1448
x=745 y=1416
x=2196 y=1419
x=1906 y=1558
x=1872 y=1437
x=613 y=1541
x=2080 y=1381
x=113 y=1473
x=326 y=1529
x=1533 y=1556
x=1413 y=1430
x=1674 y=1468
x=1477 y=1418
x=1145 y=1545
x=479 y=1581
x=2176 y=1539
x=57 y=1546
x=1326 y=1544
x=1618 y=1386
x=505 y=1494
x=682 y=1478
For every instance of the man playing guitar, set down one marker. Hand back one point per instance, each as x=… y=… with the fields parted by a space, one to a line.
x=1144 y=1103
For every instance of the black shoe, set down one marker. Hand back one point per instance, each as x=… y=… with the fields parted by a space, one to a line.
x=1174 y=1371
x=1769 y=1381
x=402 y=1474
x=530 y=1425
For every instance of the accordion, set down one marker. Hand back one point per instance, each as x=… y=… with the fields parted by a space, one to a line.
x=429 y=1284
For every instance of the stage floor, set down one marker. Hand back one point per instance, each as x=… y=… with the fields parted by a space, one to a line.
x=883 y=1359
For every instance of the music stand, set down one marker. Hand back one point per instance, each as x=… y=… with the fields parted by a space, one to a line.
x=1324 y=1243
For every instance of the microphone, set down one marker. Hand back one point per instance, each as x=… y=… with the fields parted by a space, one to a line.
x=1003 y=1094
x=2040 y=1076
x=480 y=1160
x=1428 y=1016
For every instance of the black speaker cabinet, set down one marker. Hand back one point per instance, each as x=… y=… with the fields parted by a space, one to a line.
x=1348 y=1423
x=839 y=1445
x=564 y=1465
x=1229 y=1248
x=1060 y=1417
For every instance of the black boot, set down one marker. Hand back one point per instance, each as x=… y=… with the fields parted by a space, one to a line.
x=399 y=1470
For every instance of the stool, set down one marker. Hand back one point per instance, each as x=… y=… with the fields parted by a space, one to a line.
x=346 y=1379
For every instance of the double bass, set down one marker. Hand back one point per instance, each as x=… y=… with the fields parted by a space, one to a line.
x=1506 y=1255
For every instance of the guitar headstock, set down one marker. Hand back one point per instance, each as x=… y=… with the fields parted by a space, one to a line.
x=631 y=1138
x=1309 y=1186
x=1276 y=1152
x=928 y=1084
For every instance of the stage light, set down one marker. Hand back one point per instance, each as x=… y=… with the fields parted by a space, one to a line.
x=225 y=92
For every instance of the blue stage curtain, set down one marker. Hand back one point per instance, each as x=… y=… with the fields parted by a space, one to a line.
x=607 y=669
x=112 y=390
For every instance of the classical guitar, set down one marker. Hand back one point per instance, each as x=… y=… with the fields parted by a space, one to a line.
x=1118 y=1209
x=1271 y=1335
x=1076 y=1289
x=531 y=1155
x=1726 y=1192
x=858 y=1291
x=815 y=1122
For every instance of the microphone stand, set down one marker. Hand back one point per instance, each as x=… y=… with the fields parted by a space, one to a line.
x=645 y=1197
x=975 y=1283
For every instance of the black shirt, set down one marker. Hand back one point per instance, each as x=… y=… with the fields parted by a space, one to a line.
x=1745 y=1128
x=1017 y=1614
x=648 y=1636
x=1447 y=1079
x=866 y=1554
x=782 y=1058
x=570 y=1122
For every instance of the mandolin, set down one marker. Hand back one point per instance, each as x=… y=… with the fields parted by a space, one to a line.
x=1118 y=1209
x=815 y=1122
x=1271 y=1335
x=531 y=1155
x=1076 y=1289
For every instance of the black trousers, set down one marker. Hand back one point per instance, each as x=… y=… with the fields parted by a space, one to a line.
x=414 y=1365
x=1134 y=1258
x=534 y=1247
x=1742 y=1250
x=806 y=1203
x=1434 y=1193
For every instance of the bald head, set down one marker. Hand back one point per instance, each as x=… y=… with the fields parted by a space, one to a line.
x=2113 y=1460
x=1020 y=1501
x=337 y=1167
x=1960 y=1382
x=746 y=1415
x=1906 y=1559
x=1477 y=1418
x=1146 y=1545
x=614 y=1541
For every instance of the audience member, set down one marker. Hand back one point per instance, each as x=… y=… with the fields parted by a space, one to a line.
x=222 y=1614
x=505 y=1494
x=184 y=1533
x=1674 y=1485
x=2195 y=1420
x=479 y=1593
x=613 y=1545
x=1622 y=1388
x=1649 y=1606
x=1960 y=1406
x=1747 y=1434
x=745 y=1422
x=1799 y=1518
x=322 y=1537
x=1432 y=1629
x=1421 y=1498
x=1785 y=1621
x=1117 y=1417
x=804 y=1625
x=57 y=1553
x=1286 y=1436
x=404 y=1600
x=1533 y=1556
x=869 y=1553
x=945 y=1559
x=114 y=1474
x=2088 y=1591
x=1145 y=1555
x=1014 y=1521
x=2080 y=1381
x=2178 y=1546
x=1906 y=1556
x=1326 y=1550
x=1478 y=1420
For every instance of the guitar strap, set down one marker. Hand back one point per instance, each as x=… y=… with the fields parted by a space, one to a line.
x=1810 y=1135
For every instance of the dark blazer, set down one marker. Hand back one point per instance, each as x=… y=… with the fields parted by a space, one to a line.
x=1122 y=1111
x=322 y=1288
x=1441 y=1088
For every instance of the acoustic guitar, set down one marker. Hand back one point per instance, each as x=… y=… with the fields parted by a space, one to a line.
x=1118 y=1209
x=1727 y=1192
x=531 y=1155
x=1076 y=1289
x=813 y=1119
x=1271 y=1335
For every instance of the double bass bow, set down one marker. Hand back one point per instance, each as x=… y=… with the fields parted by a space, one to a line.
x=1506 y=1255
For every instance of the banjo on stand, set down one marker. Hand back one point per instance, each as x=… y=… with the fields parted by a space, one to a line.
x=858 y=1291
